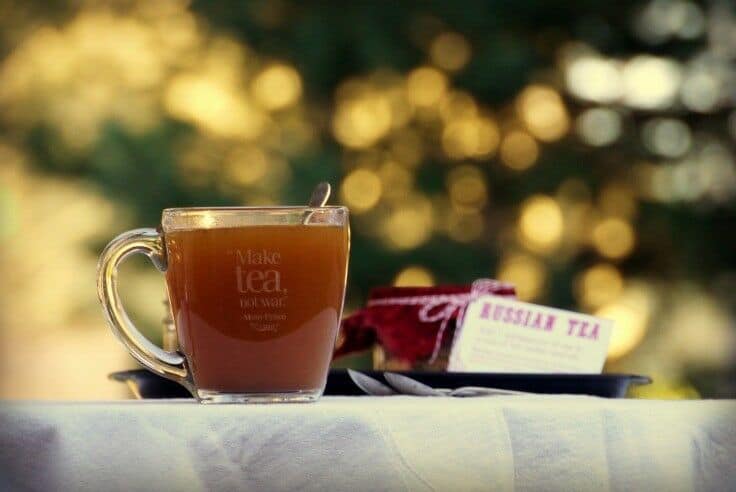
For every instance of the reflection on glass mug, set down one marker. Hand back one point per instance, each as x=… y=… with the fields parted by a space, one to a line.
x=256 y=295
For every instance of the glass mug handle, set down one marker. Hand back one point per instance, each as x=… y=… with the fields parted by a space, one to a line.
x=149 y=242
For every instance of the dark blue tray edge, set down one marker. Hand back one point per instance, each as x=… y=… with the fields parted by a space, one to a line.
x=146 y=385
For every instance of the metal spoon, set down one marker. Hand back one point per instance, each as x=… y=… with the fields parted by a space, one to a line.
x=319 y=198
x=409 y=386
x=482 y=391
x=370 y=385
x=320 y=195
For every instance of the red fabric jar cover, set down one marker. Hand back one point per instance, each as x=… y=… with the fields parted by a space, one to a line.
x=413 y=323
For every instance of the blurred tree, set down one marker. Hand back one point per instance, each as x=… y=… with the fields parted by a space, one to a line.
x=581 y=149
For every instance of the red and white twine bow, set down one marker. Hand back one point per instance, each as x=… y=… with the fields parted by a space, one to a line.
x=443 y=307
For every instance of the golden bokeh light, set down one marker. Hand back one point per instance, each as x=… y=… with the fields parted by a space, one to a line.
x=278 y=175
x=293 y=134
x=74 y=77
x=407 y=147
x=629 y=329
x=613 y=238
x=369 y=159
x=579 y=219
x=667 y=137
x=57 y=352
x=8 y=223
x=526 y=273
x=519 y=150
x=133 y=67
x=414 y=276
x=456 y=105
x=213 y=105
x=177 y=29
x=467 y=188
x=410 y=224
x=99 y=93
x=396 y=180
x=401 y=110
x=665 y=387
x=475 y=137
x=712 y=344
x=599 y=126
x=426 y=86
x=361 y=121
x=361 y=190
x=651 y=82
x=196 y=160
x=618 y=199
x=707 y=176
x=450 y=51
x=541 y=223
x=631 y=314
x=594 y=78
x=598 y=285
x=276 y=87
x=210 y=94
x=465 y=226
x=701 y=90
x=73 y=215
x=245 y=166
x=543 y=112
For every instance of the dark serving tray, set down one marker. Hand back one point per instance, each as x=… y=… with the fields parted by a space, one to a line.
x=145 y=384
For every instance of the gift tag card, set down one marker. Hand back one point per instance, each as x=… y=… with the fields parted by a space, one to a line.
x=503 y=335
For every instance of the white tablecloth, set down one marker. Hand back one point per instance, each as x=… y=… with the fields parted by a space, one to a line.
x=520 y=443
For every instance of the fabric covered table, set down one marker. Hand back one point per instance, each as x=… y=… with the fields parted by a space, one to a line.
x=395 y=443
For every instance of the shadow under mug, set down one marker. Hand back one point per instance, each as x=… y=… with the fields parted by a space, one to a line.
x=256 y=296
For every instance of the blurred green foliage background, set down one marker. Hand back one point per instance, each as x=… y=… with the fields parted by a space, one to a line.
x=583 y=150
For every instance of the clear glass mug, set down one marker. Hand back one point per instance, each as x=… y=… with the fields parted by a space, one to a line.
x=256 y=296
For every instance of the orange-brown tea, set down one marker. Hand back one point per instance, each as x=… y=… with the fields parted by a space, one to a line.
x=257 y=308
